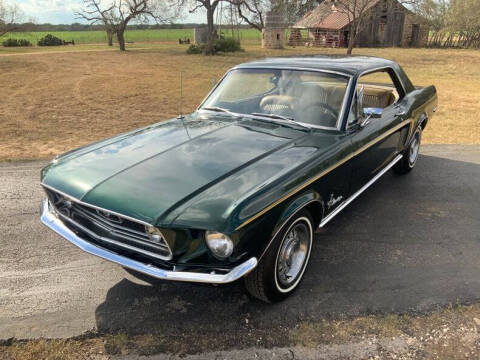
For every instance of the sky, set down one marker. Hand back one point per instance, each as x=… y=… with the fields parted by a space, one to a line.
x=62 y=11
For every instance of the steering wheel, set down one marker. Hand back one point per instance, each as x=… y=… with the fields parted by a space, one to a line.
x=327 y=109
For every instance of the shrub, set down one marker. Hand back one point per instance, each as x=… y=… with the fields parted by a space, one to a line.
x=221 y=45
x=50 y=40
x=195 y=49
x=15 y=42
x=227 y=45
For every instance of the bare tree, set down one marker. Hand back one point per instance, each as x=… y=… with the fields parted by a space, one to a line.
x=252 y=12
x=10 y=16
x=117 y=14
x=210 y=6
x=293 y=10
x=355 y=10
x=464 y=23
x=435 y=12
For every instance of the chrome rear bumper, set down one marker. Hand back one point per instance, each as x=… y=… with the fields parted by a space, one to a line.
x=53 y=222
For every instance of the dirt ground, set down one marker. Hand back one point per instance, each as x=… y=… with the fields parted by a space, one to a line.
x=53 y=101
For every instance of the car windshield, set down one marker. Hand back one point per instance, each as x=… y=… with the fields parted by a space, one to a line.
x=308 y=97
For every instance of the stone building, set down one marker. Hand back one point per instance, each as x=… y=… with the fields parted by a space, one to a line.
x=387 y=23
x=273 y=32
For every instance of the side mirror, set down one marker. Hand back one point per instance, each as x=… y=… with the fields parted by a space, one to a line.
x=372 y=112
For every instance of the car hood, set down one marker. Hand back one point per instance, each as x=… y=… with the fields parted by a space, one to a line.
x=148 y=173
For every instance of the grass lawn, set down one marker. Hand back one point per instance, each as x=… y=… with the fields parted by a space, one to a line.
x=55 y=99
x=88 y=37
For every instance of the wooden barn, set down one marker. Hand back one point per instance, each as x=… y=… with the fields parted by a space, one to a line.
x=387 y=23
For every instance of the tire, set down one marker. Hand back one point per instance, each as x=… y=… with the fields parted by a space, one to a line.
x=281 y=268
x=410 y=156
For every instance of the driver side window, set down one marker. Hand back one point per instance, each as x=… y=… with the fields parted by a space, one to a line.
x=380 y=88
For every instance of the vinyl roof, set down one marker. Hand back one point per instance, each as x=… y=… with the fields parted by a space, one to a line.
x=349 y=65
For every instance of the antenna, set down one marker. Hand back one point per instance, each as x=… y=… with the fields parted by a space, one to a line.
x=181 y=95
x=181 y=102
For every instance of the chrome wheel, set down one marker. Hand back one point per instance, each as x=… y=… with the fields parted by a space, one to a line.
x=414 y=148
x=293 y=254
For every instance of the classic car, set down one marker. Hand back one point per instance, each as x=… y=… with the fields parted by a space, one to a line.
x=237 y=188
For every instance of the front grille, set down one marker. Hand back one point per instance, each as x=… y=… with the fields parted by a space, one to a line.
x=109 y=229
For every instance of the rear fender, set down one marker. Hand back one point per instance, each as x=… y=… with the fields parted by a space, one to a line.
x=423 y=104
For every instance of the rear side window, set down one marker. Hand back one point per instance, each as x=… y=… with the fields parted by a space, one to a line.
x=380 y=89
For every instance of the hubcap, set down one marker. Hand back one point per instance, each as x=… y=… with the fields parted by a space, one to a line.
x=414 y=149
x=292 y=254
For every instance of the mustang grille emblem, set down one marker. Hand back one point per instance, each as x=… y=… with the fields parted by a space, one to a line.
x=333 y=200
x=110 y=217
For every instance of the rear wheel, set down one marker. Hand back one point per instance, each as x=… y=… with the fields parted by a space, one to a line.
x=281 y=268
x=410 y=155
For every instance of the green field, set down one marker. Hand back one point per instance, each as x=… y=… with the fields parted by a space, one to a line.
x=90 y=37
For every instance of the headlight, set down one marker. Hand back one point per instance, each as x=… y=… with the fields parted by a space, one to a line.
x=219 y=244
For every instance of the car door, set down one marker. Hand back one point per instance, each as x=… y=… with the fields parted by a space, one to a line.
x=375 y=138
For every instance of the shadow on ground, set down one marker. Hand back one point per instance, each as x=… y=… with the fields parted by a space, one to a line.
x=410 y=243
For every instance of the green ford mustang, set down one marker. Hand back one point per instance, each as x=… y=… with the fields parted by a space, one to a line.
x=237 y=188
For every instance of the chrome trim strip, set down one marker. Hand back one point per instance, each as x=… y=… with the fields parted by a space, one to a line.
x=325 y=172
x=49 y=219
x=361 y=190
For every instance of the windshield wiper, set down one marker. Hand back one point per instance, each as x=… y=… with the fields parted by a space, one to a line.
x=219 y=109
x=284 y=120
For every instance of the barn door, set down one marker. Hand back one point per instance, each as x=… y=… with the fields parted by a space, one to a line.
x=394 y=33
x=399 y=18
x=415 y=35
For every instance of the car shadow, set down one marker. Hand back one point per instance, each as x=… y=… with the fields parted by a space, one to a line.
x=409 y=243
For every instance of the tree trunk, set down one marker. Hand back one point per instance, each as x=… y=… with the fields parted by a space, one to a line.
x=209 y=50
x=121 y=39
x=110 y=37
x=351 y=41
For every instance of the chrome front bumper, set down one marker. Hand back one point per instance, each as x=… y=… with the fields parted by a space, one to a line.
x=53 y=222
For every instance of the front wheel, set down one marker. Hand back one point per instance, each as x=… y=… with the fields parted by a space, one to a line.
x=410 y=156
x=281 y=268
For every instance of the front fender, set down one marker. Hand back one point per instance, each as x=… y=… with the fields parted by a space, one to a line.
x=259 y=234
x=308 y=199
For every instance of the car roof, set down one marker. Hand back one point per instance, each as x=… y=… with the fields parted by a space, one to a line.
x=349 y=65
